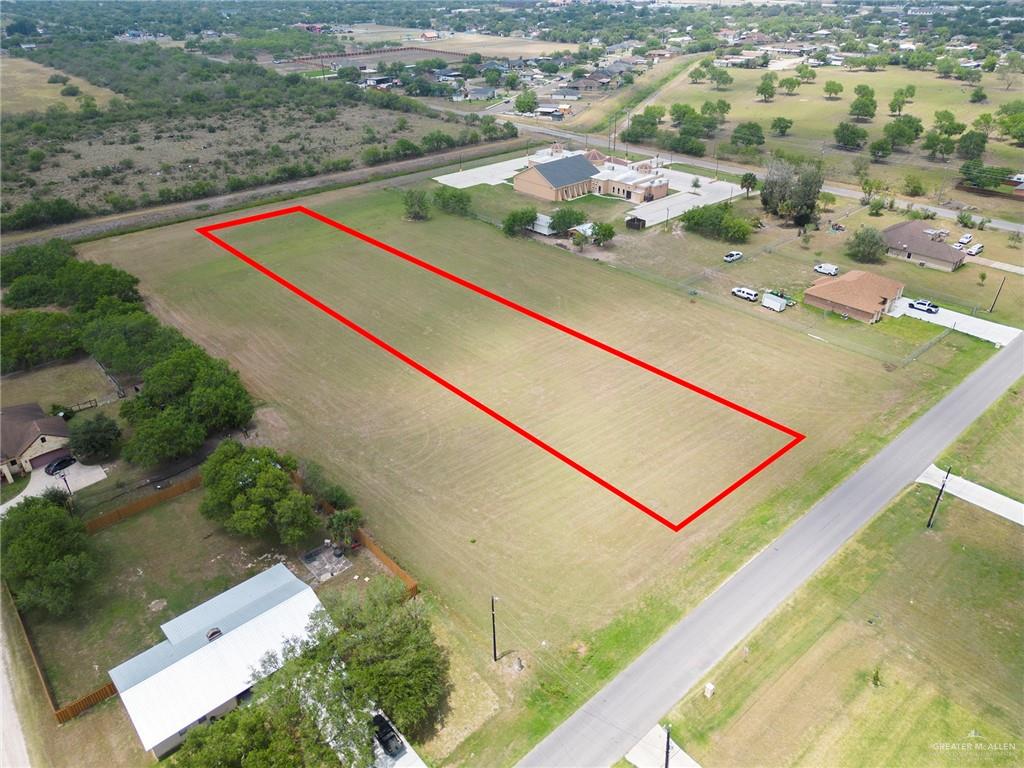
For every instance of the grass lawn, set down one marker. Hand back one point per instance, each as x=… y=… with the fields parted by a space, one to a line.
x=9 y=490
x=153 y=567
x=67 y=384
x=938 y=614
x=471 y=509
x=816 y=117
x=989 y=452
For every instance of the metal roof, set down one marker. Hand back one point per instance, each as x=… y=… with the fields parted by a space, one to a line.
x=169 y=687
x=568 y=170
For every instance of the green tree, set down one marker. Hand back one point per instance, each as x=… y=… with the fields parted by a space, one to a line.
x=492 y=77
x=945 y=67
x=169 y=434
x=94 y=439
x=417 y=205
x=316 y=483
x=748 y=135
x=912 y=185
x=250 y=491
x=343 y=525
x=720 y=78
x=698 y=74
x=31 y=338
x=903 y=131
x=603 y=233
x=766 y=89
x=946 y=123
x=45 y=556
x=909 y=92
x=937 y=144
x=511 y=81
x=897 y=103
x=526 y=102
x=833 y=88
x=789 y=84
x=748 y=183
x=984 y=123
x=978 y=95
x=867 y=246
x=880 y=149
x=781 y=125
x=850 y=136
x=565 y=218
x=454 y=201
x=863 y=108
x=971 y=146
x=517 y=222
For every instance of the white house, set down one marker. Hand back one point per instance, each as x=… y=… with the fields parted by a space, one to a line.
x=211 y=657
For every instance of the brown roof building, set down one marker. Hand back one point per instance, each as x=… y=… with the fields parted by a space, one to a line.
x=863 y=296
x=920 y=242
x=29 y=438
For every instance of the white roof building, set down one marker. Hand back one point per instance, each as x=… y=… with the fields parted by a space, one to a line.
x=212 y=656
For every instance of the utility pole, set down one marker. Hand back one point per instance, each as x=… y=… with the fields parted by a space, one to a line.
x=668 y=742
x=494 y=630
x=998 y=291
x=938 y=497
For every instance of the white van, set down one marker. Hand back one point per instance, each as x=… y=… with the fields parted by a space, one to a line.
x=745 y=293
x=975 y=249
x=827 y=269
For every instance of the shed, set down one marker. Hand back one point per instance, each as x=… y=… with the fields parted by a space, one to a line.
x=773 y=302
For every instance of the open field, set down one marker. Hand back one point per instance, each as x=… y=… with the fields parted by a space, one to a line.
x=493 y=204
x=490 y=46
x=938 y=614
x=66 y=384
x=989 y=452
x=816 y=117
x=570 y=562
x=154 y=566
x=25 y=88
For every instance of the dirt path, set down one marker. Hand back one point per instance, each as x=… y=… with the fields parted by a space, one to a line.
x=167 y=214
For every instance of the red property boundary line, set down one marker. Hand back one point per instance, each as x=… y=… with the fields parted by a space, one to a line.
x=207 y=232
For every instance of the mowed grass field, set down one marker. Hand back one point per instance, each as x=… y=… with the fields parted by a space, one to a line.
x=815 y=118
x=24 y=87
x=937 y=613
x=989 y=452
x=473 y=509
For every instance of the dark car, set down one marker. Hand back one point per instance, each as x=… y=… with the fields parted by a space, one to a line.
x=387 y=737
x=56 y=466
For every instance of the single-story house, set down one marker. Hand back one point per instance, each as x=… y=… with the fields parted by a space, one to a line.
x=29 y=439
x=565 y=94
x=918 y=242
x=550 y=111
x=480 y=93
x=861 y=295
x=563 y=179
x=585 y=85
x=212 y=656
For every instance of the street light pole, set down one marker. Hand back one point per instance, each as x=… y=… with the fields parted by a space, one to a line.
x=938 y=498
x=668 y=742
x=494 y=630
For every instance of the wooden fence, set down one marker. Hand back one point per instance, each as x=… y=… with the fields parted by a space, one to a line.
x=412 y=588
x=133 y=508
x=75 y=708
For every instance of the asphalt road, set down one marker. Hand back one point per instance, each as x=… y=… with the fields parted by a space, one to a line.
x=739 y=170
x=604 y=728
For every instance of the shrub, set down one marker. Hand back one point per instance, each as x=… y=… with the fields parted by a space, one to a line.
x=454 y=201
x=866 y=246
x=518 y=221
x=717 y=221
x=94 y=439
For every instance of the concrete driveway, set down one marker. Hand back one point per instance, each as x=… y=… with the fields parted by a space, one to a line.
x=78 y=475
x=709 y=192
x=492 y=175
x=973 y=326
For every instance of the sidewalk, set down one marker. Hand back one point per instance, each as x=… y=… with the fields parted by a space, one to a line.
x=649 y=752
x=1000 y=265
x=978 y=495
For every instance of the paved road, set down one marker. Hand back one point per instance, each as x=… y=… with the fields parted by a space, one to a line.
x=835 y=189
x=604 y=728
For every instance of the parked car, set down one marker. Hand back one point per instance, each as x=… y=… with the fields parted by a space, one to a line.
x=57 y=465
x=957 y=246
x=745 y=293
x=732 y=256
x=827 y=269
x=387 y=737
x=975 y=249
x=965 y=239
x=922 y=305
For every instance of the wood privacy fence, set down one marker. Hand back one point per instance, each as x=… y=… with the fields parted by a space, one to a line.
x=75 y=708
x=133 y=508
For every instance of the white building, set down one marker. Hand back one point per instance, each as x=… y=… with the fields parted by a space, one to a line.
x=211 y=657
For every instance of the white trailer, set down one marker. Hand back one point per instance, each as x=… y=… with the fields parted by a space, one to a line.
x=773 y=302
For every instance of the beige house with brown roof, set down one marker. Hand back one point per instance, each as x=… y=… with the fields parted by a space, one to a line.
x=861 y=295
x=919 y=242
x=29 y=439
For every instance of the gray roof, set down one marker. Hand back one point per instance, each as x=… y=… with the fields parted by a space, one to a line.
x=568 y=170
x=227 y=611
x=910 y=236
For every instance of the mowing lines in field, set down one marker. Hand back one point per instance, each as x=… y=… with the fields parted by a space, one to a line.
x=793 y=437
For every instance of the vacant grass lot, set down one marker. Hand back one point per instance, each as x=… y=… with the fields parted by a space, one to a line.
x=25 y=88
x=471 y=508
x=816 y=117
x=989 y=452
x=939 y=616
x=154 y=566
